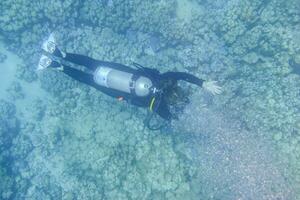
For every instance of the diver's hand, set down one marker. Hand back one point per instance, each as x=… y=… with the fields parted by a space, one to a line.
x=212 y=87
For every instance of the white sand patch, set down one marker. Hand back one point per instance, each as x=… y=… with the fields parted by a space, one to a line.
x=32 y=91
x=7 y=71
x=186 y=9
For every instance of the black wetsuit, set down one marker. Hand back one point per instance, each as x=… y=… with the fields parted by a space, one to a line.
x=88 y=78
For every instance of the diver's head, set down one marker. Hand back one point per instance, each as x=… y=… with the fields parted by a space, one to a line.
x=176 y=95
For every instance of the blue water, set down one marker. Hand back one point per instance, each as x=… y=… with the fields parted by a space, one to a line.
x=60 y=139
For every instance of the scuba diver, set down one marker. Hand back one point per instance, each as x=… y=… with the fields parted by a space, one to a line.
x=143 y=87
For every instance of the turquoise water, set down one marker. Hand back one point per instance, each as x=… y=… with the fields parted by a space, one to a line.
x=60 y=139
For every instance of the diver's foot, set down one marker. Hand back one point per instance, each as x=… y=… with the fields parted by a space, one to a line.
x=59 y=67
x=44 y=62
x=62 y=54
x=59 y=53
x=50 y=44
x=56 y=65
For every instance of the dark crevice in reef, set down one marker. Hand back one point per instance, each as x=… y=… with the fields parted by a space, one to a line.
x=295 y=66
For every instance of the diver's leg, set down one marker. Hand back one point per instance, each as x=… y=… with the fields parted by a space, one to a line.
x=86 y=61
x=79 y=75
x=50 y=47
x=93 y=64
x=59 y=53
x=89 y=80
x=46 y=62
x=182 y=76
x=73 y=73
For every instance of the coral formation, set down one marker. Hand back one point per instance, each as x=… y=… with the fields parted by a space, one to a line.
x=8 y=130
x=75 y=142
x=25 y=73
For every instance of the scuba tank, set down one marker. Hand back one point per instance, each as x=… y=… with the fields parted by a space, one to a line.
x=130 y=83
x=123 y=81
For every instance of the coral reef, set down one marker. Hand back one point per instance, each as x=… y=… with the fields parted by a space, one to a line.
x=75 y=142
x=15 y=91
x=8 y=130
x=25 y=73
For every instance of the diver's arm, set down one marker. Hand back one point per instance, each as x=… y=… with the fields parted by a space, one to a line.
x=183 y=76
x=210 y=86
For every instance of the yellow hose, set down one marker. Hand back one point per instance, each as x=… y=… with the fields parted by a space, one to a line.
x=151 y=104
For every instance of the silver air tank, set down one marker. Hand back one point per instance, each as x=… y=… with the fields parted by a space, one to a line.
x=122 y=81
